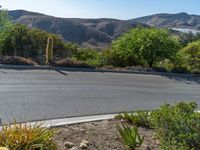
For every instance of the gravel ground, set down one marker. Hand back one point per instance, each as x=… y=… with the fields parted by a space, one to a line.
x=100 y=135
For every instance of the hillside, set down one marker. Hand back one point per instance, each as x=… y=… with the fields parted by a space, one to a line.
x=96 y=33
x=180 y=20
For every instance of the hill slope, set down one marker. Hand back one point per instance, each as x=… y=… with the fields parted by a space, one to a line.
x=96 y=33
x=180 y=20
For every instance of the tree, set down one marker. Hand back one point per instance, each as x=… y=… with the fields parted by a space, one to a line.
x=143 y=46
x=4 y=21
x=5 y=24
x=191 y=56
x=26 y=42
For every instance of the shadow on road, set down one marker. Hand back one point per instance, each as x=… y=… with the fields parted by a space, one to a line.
x=3 y=72
x=61 y=72
x=187 y=79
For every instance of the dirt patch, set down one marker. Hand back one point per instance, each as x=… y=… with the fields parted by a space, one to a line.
x=101 y=135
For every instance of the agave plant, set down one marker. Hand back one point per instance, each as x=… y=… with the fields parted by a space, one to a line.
x=130 y=136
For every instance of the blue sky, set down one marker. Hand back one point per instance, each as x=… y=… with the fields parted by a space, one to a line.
x=119 y=9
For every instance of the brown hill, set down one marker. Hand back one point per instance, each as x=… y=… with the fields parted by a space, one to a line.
x=97 y=33
x=180 y=20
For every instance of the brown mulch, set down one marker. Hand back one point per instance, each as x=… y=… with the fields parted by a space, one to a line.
x=101 y=135
x=70 y=63
x=16 y=60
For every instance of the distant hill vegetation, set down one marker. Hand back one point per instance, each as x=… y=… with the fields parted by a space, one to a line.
x=99 y=33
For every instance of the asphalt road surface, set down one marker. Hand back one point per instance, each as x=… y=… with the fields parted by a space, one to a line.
x=29 y=95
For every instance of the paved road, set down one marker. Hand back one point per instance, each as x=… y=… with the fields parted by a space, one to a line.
x=27 y=95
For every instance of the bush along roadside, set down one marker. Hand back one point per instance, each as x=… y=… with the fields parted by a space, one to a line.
x=27 y=137
x=177 y=127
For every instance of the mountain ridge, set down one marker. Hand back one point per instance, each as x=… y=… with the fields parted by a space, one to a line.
x=99 y=33
x=182 y=19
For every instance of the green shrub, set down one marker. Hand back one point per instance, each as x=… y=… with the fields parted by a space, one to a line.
x=27 y=137
x=89 y=56
x=26 y=42
x=171 y=144
x=143 y=119
x=191 y=56
x=128 y=118
x=5 y=25
x=143 y=46
x=85 y=54
x=130 y=136
x=139 y=118
x=177 y=125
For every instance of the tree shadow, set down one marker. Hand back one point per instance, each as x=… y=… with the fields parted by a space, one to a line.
x=3 y=72
x=185 y=78
x=60 y=71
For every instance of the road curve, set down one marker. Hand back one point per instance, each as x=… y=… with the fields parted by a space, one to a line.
x=29 y=95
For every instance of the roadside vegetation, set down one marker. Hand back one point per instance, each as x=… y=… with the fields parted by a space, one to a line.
x=170 y=127
x=150 y=48
x=175 y=126
x=27 y=137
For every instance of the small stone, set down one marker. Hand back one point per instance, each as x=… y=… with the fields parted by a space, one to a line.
x=85 y=142
x=69 y=144
x=116 y=137
x=73 y=148
x=82 y=130
x=83 y=146
x=158 y=142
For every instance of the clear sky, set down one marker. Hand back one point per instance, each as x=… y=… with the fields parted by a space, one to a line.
x=120 y=9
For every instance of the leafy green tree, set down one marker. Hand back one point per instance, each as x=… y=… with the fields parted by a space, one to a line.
x=5 y=21
x=17 y=42
x=26 y=42
x=143 y=46
x=5 y=24
x=191 y=56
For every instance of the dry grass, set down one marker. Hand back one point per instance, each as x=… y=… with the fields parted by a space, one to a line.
x=27 y=137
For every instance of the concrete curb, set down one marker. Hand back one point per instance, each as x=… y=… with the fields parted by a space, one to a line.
x=72 y=120
x=68 y=121
x=27 y=67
